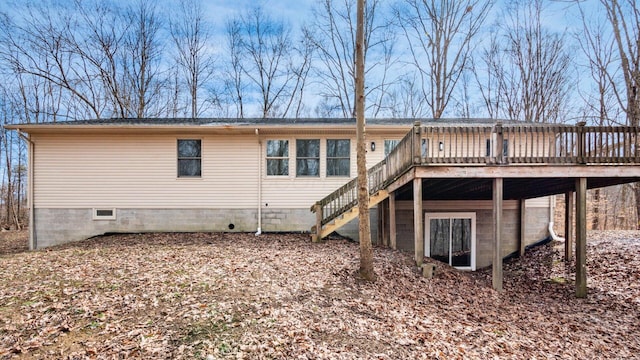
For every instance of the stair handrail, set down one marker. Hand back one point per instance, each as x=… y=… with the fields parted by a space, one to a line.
x=399 y=159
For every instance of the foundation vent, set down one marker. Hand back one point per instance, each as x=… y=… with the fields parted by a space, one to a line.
x=104 y=214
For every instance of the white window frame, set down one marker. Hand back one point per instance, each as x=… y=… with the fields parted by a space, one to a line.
x=282 y=158
x=319 y=158
x=178 y=158
x=327 y=158
x=451 y=215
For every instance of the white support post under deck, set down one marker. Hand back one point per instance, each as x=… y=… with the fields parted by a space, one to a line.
x=497 y=234
x=418 y=228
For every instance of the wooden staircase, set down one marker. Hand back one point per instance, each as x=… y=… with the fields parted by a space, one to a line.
x=347 y=216
x=341 y=206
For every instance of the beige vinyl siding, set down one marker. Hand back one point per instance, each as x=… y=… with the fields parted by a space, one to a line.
x=301 y=192
x=140 y=171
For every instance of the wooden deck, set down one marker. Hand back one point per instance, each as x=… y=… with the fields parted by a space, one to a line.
x=493 y=162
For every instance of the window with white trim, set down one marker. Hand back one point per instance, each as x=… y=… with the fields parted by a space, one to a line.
x=451 y=238
x=338 y=157
x=189 y=158
x=308 y=157
x=277 y=157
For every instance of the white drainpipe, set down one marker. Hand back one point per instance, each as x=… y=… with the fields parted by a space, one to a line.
x=551 y=216
x=259 y=231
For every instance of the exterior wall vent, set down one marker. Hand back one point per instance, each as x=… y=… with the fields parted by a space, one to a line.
x=104 y=214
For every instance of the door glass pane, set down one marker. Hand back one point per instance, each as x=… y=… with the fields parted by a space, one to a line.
x=461 y=242
x=439 y=239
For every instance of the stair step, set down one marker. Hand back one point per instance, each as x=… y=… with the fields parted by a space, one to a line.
x=351 y=214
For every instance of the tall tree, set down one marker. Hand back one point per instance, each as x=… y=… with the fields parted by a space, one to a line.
x=234 y=82
x=143 y=49
x=440 y=36
x=528 y=67
x=191 y=37
x=333 y=29
x=41 y=44
x=364 y=226
x=265 y=64
x=600 y=106
x=624 y=18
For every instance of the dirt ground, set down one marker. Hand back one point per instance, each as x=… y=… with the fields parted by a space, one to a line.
x=280 y=296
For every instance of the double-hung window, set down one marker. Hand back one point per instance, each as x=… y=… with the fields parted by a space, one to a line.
x=308 y=157
x=277 y=157
x=189 y=158
x=338 y=157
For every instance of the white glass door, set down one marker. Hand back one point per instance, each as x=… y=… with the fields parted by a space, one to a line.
x=451 y=238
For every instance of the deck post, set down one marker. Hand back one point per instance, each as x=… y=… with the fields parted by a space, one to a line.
x=382 y=234
x=497 y=234
x=416 y=149
x=581 y=143
x=418 y=228
x=316 y=237
x=392 y=221
x=568 y=225
x=499 y=146
x=523 y=226
x=581 y=237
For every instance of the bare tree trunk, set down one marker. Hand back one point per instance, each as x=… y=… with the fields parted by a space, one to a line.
x=364 y=230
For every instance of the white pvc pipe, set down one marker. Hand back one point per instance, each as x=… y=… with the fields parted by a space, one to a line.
x=552 y=203
x=553 y=234
x=259 y=230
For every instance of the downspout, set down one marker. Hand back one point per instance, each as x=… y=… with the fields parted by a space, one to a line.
x=552 y=207
x=259 y=231
x=33 y=244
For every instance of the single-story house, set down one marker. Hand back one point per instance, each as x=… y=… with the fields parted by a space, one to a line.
x=464 y=191
x=246 y=175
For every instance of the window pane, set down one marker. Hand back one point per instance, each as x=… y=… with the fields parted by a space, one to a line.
x=338 y=148
x=189 y=167
x=308 y=167
x=338 y=167
x=308 y=148
x=461 y=242
x=439 y=239
x=277 y=148
x=188 y=148
x=277 y=166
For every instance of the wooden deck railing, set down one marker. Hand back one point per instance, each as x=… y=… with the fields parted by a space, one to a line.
x=498 y=144
x=379 y=176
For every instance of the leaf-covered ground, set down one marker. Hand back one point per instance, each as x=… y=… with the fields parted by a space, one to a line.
x=280 y=296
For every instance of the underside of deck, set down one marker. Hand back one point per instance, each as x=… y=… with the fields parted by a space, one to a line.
x=496 y=163
x=459 y=183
